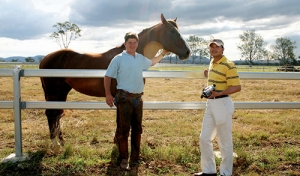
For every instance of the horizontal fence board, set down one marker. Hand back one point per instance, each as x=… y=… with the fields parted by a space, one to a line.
x=155 y=74
x=6 y=72
x=157 y=105
x=6 y=104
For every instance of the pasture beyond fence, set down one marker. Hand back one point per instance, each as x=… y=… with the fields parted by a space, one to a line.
x=17 y=105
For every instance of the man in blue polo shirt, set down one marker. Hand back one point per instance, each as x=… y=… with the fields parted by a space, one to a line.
x=127 y=67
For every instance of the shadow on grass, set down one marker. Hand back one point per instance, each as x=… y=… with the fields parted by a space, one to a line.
x=31 y=166
x=114 y=169
x=34 y=166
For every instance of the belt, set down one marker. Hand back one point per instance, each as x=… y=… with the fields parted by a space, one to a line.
x=222 y=96
x=131 y=94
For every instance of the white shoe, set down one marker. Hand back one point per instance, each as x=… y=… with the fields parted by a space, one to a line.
x=124 y=164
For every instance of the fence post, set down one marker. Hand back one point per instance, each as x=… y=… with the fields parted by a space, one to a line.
x=17 y=111
x=18 y=156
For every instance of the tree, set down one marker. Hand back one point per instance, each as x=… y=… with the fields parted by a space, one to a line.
x=65 y=33
x=203 y=50
x=252 y=46
x=283 y=50
x=29 y=59
x=198 y=46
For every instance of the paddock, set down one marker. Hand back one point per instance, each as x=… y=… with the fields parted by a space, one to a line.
x=17 y=104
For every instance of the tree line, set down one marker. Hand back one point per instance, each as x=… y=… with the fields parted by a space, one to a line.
x=252 y=47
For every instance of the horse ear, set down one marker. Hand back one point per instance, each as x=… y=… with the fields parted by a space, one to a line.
x=175 y=19
x=163 y=20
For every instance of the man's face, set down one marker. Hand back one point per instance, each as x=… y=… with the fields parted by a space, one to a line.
x=131 y=45
x=215 y=50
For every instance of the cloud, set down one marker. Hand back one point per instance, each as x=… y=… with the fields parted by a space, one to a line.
x=19 y=20
x=104 y=22
x=107 y=13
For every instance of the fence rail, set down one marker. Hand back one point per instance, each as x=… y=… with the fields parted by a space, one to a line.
x=18 y=105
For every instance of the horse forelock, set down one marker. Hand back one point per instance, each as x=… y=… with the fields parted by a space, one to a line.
x=173 y=23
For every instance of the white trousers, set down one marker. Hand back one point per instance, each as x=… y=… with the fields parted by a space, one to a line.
x=217 y=122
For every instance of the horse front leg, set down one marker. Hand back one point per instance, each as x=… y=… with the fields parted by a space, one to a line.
x=54 y=117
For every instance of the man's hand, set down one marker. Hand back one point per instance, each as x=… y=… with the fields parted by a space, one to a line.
x=205 y=73
x=165 y=52
x=110 y=100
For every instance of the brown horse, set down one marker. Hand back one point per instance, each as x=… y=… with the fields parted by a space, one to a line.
x=163 y=35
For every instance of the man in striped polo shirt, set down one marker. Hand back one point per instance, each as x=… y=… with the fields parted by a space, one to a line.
x=217 y=121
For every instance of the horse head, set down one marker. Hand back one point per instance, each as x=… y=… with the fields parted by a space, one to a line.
x=164 y=35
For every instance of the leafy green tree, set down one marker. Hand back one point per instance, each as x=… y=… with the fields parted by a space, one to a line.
x=198 y=46
x=66 y=32
x=29 y=59
x=251 y=46
x=283 y=50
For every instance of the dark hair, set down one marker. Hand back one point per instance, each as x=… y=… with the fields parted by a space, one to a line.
x=131 y=35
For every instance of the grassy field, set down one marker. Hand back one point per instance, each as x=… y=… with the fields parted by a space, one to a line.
x=267 y=142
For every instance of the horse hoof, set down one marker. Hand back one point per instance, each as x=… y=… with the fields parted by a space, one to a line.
x=62 y=142
x=55 y=145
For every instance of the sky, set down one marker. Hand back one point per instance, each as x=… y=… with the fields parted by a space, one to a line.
x=26 y=25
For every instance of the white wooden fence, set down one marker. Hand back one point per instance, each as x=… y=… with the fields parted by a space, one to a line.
x=17 y=105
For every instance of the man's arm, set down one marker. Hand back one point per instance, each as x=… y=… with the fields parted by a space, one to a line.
x=159 y=57
x=230 y=90
x=109 y=97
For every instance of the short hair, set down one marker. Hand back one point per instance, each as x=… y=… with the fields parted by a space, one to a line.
x=131 y=35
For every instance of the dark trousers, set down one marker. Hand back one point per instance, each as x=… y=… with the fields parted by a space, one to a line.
x=129 y=115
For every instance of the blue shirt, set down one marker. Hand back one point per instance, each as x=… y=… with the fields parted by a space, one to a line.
x=128 y=70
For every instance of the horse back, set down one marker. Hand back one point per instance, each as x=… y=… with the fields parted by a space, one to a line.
x=69 y=59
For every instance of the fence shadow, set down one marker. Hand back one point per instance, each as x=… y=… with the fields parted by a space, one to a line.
x=31 y=166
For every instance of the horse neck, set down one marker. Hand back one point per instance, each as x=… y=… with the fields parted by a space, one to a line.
x=149 y=43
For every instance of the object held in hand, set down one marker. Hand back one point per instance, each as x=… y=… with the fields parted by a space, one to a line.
x=206 y=92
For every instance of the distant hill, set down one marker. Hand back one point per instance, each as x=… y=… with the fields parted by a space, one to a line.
x=167 y=59
x=21 y=58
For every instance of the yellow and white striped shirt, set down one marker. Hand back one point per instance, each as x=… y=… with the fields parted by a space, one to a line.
x=223 y=74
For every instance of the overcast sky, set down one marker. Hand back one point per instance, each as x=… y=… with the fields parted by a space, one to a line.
x=25 y=25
